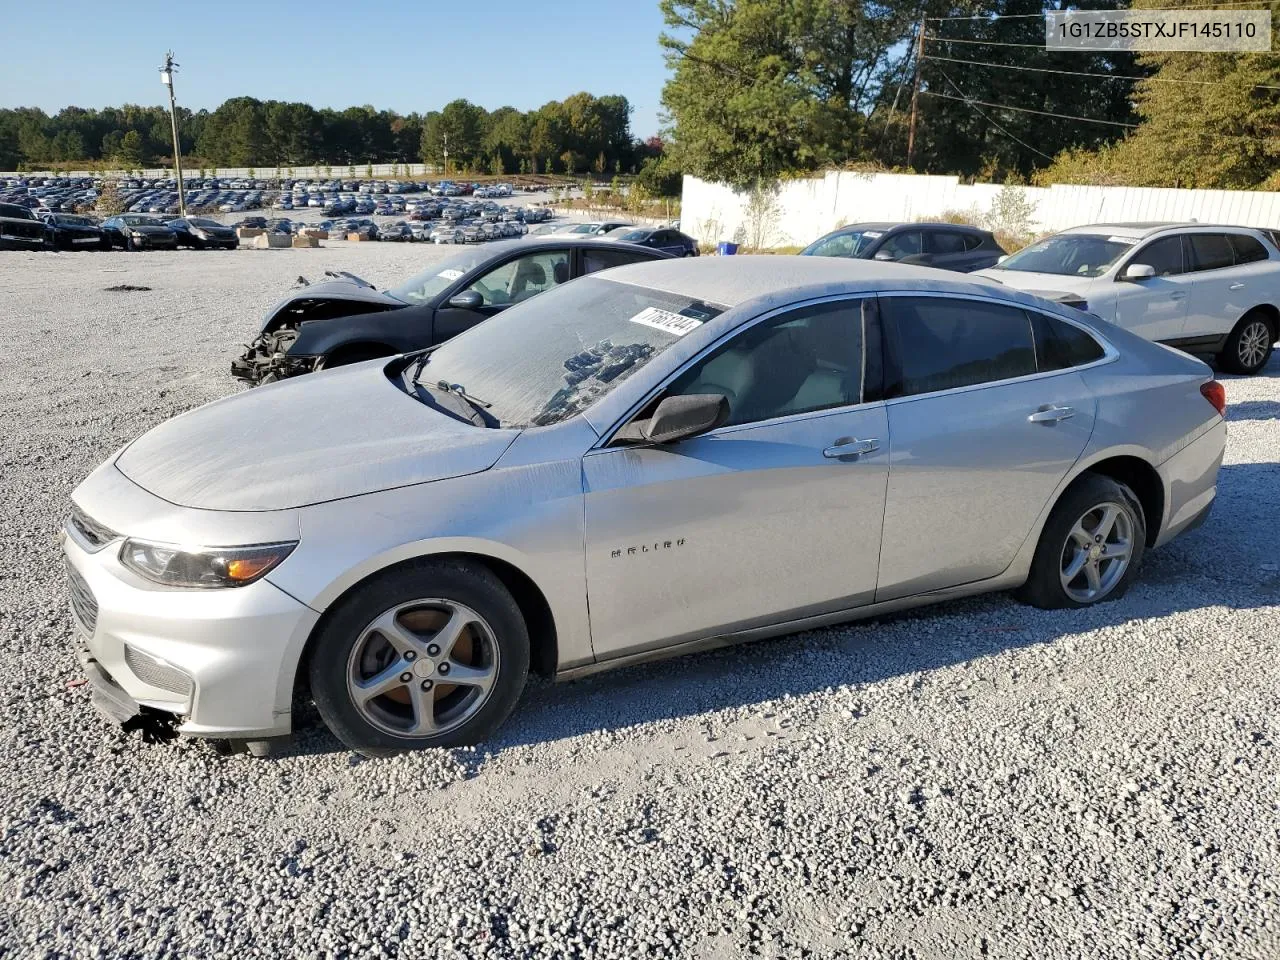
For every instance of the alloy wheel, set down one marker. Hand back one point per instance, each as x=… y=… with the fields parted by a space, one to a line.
x=1097 y=553
x=423 y=668
x=1253 y=344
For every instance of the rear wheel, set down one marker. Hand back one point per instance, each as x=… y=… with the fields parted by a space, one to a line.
x=1249 y=345
x=434 y=654
x=1090 y=548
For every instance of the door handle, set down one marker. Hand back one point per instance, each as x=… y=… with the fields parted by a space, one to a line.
x=849 y=448
x=1051 y=414
x=1180 y=295
x=1235 y=286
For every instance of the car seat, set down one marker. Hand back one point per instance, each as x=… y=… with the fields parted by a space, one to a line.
x=560 y=271
x=528 y=282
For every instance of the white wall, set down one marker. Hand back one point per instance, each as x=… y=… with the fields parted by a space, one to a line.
x=806 y=209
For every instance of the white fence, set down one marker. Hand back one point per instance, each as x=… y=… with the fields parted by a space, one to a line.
x=800 y=211
x=260 y=173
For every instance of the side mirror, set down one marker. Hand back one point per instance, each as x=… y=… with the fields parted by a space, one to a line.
x=882 y=255
x=679 y=418
x=1002 y=259
x=1138 y=271
x=467 y=300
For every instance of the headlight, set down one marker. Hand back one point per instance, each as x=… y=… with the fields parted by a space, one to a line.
x=178 y=566
x=202 y=234
x=136 y=234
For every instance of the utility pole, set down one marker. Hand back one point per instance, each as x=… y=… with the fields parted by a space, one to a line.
x=166 y=77
x=915 y=97
x=446 y=153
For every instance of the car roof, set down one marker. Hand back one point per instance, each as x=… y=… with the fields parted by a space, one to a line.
x=730 y=281
x=887 y=225
x=1139 y=230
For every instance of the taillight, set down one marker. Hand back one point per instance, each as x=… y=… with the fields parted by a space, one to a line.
x=1216 y=394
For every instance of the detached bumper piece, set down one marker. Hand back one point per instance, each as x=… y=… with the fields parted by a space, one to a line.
x=109 y=698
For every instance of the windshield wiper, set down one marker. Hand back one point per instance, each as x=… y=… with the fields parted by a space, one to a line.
x=461 y=391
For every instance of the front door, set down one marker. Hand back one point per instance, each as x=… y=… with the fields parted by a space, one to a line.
x=515 y=280
x=1156 y=308
x=774 y=516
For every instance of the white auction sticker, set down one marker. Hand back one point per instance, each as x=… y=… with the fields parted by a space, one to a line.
x=450 y=274
x=674 y=323
x=1127 y=241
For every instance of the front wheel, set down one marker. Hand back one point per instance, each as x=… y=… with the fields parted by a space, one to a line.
x=1090 y=548
x=1248 y=346
x=433 y=654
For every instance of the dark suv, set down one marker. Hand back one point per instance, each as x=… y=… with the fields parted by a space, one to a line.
x=948 y=246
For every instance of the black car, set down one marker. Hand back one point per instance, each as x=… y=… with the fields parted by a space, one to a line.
x=201 y=233
x=70 y=232
x=948 y=246
x=659 y=238
x=20 y=229
x=136 y=231
x=345 y=320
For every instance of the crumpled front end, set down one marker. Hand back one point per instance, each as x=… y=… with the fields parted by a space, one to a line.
x=267 y=358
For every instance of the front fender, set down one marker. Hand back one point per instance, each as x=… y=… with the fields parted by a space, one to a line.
x=401 y=330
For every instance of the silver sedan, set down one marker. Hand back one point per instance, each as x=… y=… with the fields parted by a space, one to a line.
x=655 y=459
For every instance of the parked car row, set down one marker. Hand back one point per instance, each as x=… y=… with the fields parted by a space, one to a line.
x=661 y=457
x=1209 y=290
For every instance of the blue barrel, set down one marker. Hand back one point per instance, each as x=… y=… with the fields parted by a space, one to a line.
x=726 y=249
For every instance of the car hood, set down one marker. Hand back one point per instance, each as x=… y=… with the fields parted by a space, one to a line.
x=348 y=290
x=147 y=228
x=326 y=436
x=1050 y=286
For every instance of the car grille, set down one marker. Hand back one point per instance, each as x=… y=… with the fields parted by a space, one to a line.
x=83 y=604
x=93 y=533
x=155 y=672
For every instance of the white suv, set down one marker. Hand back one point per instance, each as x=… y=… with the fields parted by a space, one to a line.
x=1205 y=289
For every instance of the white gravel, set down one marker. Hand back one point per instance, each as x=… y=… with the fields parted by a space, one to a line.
x=980 y=779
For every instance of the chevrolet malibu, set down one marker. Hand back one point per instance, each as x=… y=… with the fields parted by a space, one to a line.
x=660 y=458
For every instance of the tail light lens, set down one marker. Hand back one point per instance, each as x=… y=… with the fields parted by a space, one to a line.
x=1216 y=394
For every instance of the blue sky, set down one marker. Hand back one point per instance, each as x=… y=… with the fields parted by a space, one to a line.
x=394 y=54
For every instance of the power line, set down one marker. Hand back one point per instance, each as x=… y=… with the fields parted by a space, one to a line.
x=1043 y=113
x=969 y=102
x=991 y=17
x=1104 y=76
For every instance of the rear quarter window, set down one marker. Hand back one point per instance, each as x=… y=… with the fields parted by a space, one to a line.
x=1248 y=249
x=1061 y=345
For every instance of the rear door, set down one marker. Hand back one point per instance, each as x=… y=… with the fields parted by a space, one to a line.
x=1219 y=288
x=982 y=434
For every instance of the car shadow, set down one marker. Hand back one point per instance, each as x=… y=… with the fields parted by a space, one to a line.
x=1193 y=571
x=1254 y=410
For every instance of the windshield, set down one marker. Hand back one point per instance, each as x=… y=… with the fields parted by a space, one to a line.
x=15 y=212
x=630 y=236
x=437 y=278
x=134 y=220
x=851 y=243
x=551 y=357
x=1070 y=255
x=202 y=222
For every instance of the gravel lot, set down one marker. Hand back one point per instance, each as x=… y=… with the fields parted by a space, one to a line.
x=979 y=779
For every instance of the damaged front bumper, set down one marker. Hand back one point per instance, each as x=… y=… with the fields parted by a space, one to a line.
x=267 y=359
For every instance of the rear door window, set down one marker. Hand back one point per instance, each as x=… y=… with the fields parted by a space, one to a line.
x=944 y=242
x=943 y=342
x=593 y=260
x=1210 y=251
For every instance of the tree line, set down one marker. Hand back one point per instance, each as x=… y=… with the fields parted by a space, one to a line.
x=761 y=89
x=580 y=134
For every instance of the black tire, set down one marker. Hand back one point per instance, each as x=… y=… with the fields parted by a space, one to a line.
x=129 y=244
x=470 y=585
x=1243 y=340
x=1044 y=587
